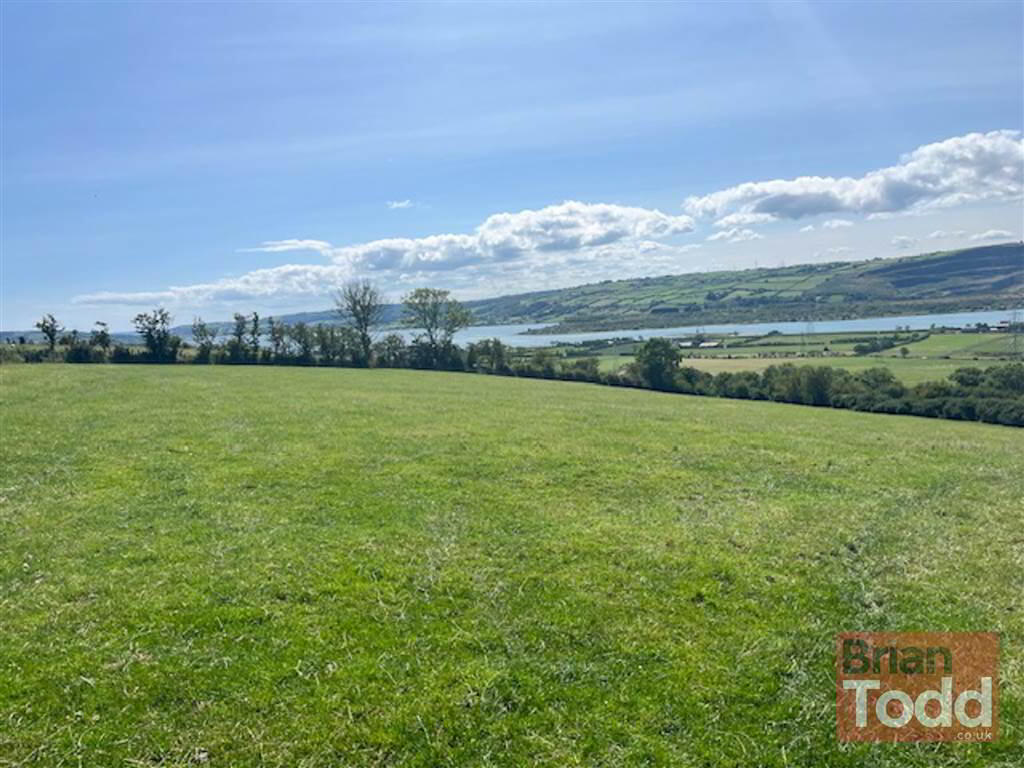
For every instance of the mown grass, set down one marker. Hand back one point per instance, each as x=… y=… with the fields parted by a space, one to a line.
x=327 y=567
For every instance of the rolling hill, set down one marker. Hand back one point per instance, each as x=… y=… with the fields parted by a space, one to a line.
x=987 y=277
x=970 y=279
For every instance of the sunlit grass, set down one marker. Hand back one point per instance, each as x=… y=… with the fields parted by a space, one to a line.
x=299 y=567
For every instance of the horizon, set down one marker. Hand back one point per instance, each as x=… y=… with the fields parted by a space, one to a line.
x=213 y=159
x=397 y=301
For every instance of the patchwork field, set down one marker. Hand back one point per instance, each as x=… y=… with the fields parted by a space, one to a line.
x=332 y=567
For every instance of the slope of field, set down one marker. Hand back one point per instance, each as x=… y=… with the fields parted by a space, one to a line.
x=325 y=567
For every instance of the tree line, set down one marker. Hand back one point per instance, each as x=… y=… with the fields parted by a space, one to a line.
x=994 y=394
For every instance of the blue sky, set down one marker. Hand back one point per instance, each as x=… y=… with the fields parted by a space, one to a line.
x=223 y=157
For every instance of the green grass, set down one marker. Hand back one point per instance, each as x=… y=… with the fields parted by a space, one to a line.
x=962 y=345
x=324 y=567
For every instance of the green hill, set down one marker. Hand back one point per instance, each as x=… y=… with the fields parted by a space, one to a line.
x=989 y=277
x=337 y=567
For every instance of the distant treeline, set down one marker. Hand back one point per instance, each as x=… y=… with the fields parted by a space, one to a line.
x=994 y=394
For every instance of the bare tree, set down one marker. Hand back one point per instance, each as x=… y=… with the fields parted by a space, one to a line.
x=360 y=304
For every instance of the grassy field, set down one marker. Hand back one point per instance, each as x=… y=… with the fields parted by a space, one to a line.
x=327 y=567
x=963 y=345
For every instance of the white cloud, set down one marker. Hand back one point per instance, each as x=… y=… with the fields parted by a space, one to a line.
x=735 y=235
x=904 y=241
x=287 y=280
x=941 y=234
x=992 y=234
x=977 y=166
x=566 y=227
x=574 y=242
x=568 y=233
x=837 y=223
x=743 y=219
x=281 y=246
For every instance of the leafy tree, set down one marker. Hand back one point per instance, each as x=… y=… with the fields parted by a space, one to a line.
x=330 y=344
x=205 y=337
x=304 y=340
x=439 y=316
x=155 y=329
x=658 y=360
x=360 y=304
x=488 y=355
x=236 y=346
x=100 y=336
x=254 y=337
x=391 y=351
x=580 y=368
x=50 y=329
x=278 y=333
x=967 y=377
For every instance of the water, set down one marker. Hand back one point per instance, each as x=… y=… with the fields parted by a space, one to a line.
x=513 y=335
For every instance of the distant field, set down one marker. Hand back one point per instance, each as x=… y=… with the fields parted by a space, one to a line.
x=963 y=345
x=330 y=567
x=924 y=363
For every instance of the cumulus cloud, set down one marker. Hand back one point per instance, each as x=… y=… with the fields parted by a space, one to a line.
x=281 y=246
x=904 y=241
x=992 y=234
x=837 y=223
x=555 y=234
x=566 y=227
x=289 y=280
x=735 y=235
x=940 y=234
x=977 y=166
x=742 y=220
x=577 y=242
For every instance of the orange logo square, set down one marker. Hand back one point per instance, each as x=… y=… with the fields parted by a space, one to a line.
x=917 y=686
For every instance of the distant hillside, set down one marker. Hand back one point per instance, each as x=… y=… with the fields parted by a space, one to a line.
x=988 y=277
x=973 y=279
x=970 y=279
